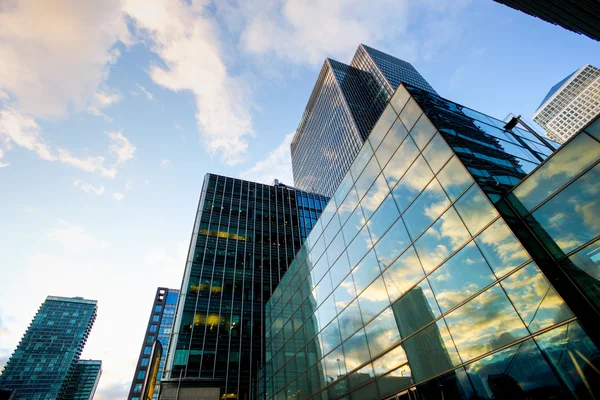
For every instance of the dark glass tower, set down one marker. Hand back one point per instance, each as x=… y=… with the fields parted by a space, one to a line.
x=245 y=236
x=580 y=16
x=159 y=328
x=84 y=380
x=345 y=103
x=47 y=356
x=457 y=259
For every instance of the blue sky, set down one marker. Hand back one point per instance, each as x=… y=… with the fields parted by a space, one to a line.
x=111 y=113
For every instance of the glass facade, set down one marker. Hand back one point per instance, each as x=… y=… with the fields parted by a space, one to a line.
x=414 y=282
x=346 y=102
x=245 y=236
x=160 y=326
x=47 y=355
x=84 y=380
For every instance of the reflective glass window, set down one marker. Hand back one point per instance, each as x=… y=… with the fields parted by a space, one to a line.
x=485 y=323
x=353 y=225
x=454 y=178
x=430 y=204
x=535 y=299
x=581 y=152
x=453 y=385
x=332 y=229
x=330 y=336
x=344 y=293
x=415 y=309
x=422 y=132
x=437 y=153
x=412 y=183
x=382 y=333
x=342 y=190
x=339 y=270
x=348 y=205
x=381 y=220
x=374 y=196
x=399 y=99
x=475 y=209
x=335 y=363
x=583 y=268
x=501 y=248
x=431 y=352
x=441 y=239
x=403 y=274
x=357 y=380
x=361 y=160
x=463 y=275
x=373 y=300
x=336 y=248
x=366 y=179
x=390 y=361
x=356 y=350
x=359 y=246
x=394 y=381
x=572 y=217
x=594 y=129
x=410 y=114
x=391 y=142
x=402 y=159
x=328 y=213
x=366 y=270
x=388 y=116
x=350 y=320
x=392 y=244
x=323 y=288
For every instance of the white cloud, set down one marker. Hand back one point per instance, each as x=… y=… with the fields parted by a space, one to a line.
x=103 y=100
x=187 y=41
x=75 y=238
x=146 y=92
x=16 y=128
x=165 y=259
x=121 y=148
x=128 y=186
x=118 y=196
x=276 y=165
x=87 y=187
x=165 y=163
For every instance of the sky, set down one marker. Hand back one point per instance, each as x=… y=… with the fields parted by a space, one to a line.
x=112 y=112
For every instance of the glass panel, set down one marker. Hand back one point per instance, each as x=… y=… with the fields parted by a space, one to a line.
x=403 y=274
x=373 y=299
x=339 y=270
x=356 y=350
x=594 y=129
x=348 y=206
x=391 y=360
x=454 y=385
x=431 y=352
x=437 y=153
x=336 y=364
x=581 y=152
x=358 y=378
x=350 y=320
x=399 y=99
x=332 y=229
x=344 y=294
x=390 y=143
x=460 y=277
x=572 y=217
x=366 y=179
x=382 y=333
x=454 y=178
x=353 y=225
x=574 y=356
x=365 y=271
x=422 y=131
x=385 y=216
x=330 y=336
x=375 y=196
x=359 y=247
x=425 y=209
x=402 y=159
x=519 y=372
x=388 y=116
x=475 y=209
x=410 y=114
x=395 y=380
x=415 y=180
x=343 y=189
x=415 y=309
x=535 y=299
x=336 y=248
x=583 y=268
x=392 y=244
x=501 y=248
x=441 y=239
x=485 y=323
x=361 y=160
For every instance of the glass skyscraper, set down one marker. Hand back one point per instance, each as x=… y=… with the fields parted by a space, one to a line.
x=457 y=259
x=159 y=329
x=345 y=103
x=47 y=355
x=245 y=236
x=84 y=380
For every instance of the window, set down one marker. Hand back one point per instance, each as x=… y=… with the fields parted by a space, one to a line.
x=157 y=308
x=141 y=374
x=155 y=318
x=144 y=362
x=147 y=349
x=153 y=328
x=137 y=388
x=150 y=339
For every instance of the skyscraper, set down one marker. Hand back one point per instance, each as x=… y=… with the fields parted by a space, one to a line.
x=159 y=329
x=245 y=236
x=47 y=356
x=570 y=104
x=580 y=16
x=345 y=103
x=457 y=259
x=84 y=380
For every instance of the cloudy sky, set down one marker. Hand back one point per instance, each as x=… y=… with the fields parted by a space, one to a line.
x=112 y=111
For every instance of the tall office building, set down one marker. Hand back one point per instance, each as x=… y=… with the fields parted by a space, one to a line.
x=457 y=259
x=580 y=16
x=344 y=105
x=159 y=329
x=47 y=355
x=570 y=104
x=245 y=236
x=84 y=380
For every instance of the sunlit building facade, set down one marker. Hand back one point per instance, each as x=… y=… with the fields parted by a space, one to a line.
x=47 y=355
x=159 y=329
x=428 y=275
x=245 y=236
x=344 y=105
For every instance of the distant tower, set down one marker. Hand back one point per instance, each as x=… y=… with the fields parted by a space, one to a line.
x=84 y=381
x=47 y=356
